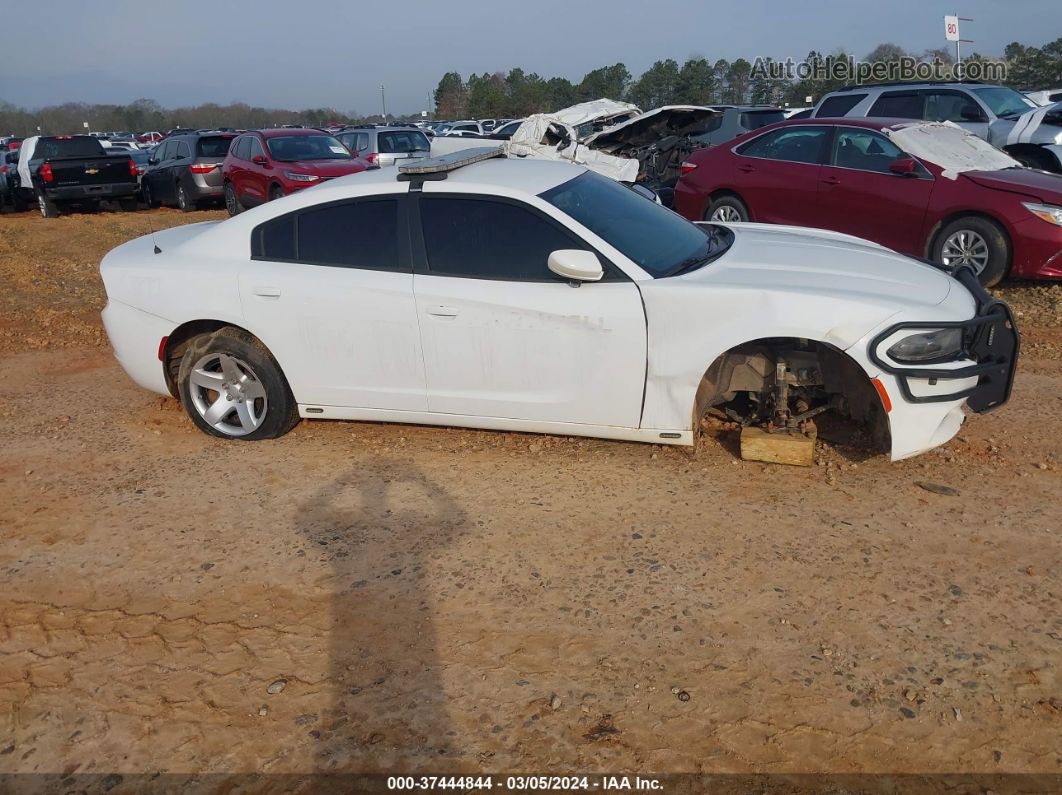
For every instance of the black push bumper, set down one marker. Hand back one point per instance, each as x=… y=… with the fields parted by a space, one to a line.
x=990 y=339
x=117 y=190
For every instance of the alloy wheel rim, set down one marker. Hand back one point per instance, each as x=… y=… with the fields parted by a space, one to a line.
x=966 y=247
x=230 y=200
x=726 y=214
x=40 y=203
x=227 y=394
x=182 y=200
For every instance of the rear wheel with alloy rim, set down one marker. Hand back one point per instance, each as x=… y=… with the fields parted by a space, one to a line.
x=183 y=202
x=233 y=388
x=727 y=210
x=976 y=242
x=48 y=208
x=149 y=199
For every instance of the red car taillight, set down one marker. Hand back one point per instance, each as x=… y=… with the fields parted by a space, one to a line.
x=132 y=168
x=687 y=167
x=3 y=169
x=371 y=158
x=46 y=172
x=200 y=168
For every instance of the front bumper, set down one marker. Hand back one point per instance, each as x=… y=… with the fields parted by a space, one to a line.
x=992 y=343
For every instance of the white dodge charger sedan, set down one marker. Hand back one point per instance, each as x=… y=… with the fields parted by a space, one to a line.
x=478 y=291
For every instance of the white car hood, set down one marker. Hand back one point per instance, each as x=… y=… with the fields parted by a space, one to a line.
x=795 y=259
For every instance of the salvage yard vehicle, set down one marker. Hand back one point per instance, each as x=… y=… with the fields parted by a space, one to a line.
x=63 y=171
x=185 y=171
x=441 y=293
x=1006 y=119
x=384 y=146
x=924 y=189
x=264 y=165
x=735 y=120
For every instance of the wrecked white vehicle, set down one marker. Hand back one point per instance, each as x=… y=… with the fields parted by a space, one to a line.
x=616 y=139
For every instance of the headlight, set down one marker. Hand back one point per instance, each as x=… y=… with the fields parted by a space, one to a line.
x=292 y=175
x=930 y=345
x=1048 y=212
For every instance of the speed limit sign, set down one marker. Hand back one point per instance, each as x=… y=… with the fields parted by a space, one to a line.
x=951 y=28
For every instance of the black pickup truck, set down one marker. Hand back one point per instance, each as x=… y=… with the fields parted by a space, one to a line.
x=57 y=172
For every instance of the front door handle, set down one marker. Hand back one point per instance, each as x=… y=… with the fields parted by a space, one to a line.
x=830 y=181
x=266 y=292
x=442 y=311
x=746 y=168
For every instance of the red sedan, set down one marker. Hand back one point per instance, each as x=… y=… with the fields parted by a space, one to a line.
x=267 y=164
x=924 y=189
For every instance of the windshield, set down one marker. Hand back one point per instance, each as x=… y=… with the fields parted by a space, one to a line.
x=289 y=148
x=218 y=146
x=412 y=141
x=1004 y=102
x=659 y=241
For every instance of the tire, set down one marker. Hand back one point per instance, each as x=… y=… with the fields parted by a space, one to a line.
x=184 y=204
x=978 y=241
x=276 y=192
x=48 y=208
x=129 y=205
x=149 y=198
x=232 y=388
x=727 y=210
x=18 y=203
x=232 y=201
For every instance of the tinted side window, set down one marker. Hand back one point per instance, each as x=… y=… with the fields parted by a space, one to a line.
x=713 y=124
x=833 y=107
x=357 y=235
x=898 y=105
x=793 y=144
x=183 y=149
x=243 y=146
x=274 y=239
x=753 y=120
x=951 y=106
x=362 y=143
x=490 y=240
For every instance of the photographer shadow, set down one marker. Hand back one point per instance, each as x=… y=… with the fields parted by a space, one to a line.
x=382 y=529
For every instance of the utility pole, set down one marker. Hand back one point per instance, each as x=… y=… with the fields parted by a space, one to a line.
x=383 y=102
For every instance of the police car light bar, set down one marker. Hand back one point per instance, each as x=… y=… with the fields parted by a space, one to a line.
x=450 y=162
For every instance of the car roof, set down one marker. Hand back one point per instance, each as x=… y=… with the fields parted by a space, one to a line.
x=899 y=85
x=272 y=132
x=870 y=122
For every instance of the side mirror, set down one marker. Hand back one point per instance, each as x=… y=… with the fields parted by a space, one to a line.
x=260 y=160
x=904 y=166
x=153 y=161
x=576 y=265
x=642 y=190
x=970 y=113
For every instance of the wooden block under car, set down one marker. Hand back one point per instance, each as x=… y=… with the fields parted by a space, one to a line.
x=781 y=447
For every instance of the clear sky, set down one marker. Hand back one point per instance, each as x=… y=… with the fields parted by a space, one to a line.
x=285 y=53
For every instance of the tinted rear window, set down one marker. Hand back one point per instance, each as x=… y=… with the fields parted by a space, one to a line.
x=754 y=119
x=218 y=146
x=275 y=239
x=412 y=141
x=78 y=146
x=836 y=107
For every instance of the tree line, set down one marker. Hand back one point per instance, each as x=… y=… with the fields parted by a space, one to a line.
x=700 y=81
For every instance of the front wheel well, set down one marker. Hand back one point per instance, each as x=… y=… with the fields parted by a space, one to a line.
x=177 y=344
x=741 y=384
x=934 y=233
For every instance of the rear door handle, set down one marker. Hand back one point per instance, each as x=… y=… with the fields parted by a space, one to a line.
x=266 y=292
x=830 y=181
x=442 y=311
x=745 y=167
